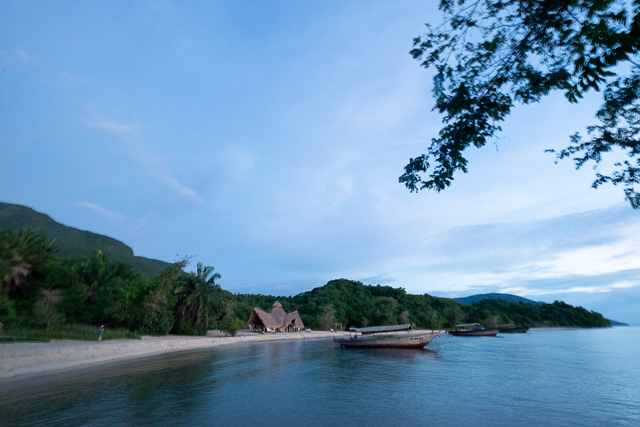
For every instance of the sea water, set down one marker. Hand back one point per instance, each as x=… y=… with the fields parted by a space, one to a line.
x=583 y=377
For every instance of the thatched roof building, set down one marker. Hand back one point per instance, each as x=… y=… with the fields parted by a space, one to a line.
x=260 y=320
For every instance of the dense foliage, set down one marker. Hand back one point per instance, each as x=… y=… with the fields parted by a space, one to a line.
x=489 y=54
x=42 y=290
x=62 y=297
x=352 y=303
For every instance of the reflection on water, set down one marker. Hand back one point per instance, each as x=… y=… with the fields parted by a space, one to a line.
x=581 y=377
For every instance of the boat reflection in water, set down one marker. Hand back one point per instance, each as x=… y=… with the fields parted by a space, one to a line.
x=397 y=336
x=473 y=330
x=510 y=329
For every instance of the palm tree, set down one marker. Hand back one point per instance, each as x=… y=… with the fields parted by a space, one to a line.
x=158 y=316
x=20 y=255
x=197 y=296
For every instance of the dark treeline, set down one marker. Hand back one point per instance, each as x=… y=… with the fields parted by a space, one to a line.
x=42 y=290
x=352 y=303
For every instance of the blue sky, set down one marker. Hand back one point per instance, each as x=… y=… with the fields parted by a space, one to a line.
x=267 y=138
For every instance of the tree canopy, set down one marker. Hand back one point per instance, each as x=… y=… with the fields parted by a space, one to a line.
x=39 y=289
x=489 y=54
x=43 y=295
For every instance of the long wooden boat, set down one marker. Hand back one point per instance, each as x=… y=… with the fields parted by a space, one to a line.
x=473 y=330
x=397 y=336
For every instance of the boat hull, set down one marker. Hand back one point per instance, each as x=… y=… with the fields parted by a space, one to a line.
x=393 y=341
x=475 y=333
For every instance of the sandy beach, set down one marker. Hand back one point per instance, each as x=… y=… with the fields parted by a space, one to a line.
x=20 y=359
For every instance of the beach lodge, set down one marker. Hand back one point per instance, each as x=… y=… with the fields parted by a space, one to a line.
x=278 y=320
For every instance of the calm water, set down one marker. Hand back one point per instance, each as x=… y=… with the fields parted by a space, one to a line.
x=574 y=377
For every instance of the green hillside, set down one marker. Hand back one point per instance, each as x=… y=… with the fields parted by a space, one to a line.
x=507 y=297
x=72 y=242
x=352 y=303
x=614 y=323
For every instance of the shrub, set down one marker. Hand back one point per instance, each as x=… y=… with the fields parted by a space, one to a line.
x=231 y=326
x=184 y=328
x=44 y=311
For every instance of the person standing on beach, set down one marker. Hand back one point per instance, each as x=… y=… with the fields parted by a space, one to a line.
x=101 y=332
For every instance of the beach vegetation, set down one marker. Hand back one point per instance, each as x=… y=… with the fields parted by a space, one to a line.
x=45 y=309
x=184 y=328
x=40 y=289
x=231 y=325
x=25 y=331
x=327 y=317
x=7 y=309
x=197 y=297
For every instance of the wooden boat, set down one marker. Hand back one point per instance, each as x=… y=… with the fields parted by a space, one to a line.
x=397 y=336
x=473 y=330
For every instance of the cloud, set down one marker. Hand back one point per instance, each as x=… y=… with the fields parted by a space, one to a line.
x=112 y=127
x=378 y=279
x=184 y=191
x=596 y=289
x=158 y=169
x=99 y=210
x=589 y=253
x=156 y=163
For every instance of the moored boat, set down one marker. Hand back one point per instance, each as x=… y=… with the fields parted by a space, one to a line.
x=473 y=330
x=397 y=336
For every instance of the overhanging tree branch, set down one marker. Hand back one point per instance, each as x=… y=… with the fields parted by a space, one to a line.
x=521 y=50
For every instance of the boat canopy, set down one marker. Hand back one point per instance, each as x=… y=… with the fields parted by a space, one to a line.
x=467 y=325
x=381 y=329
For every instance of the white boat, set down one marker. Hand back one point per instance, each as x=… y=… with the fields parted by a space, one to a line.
x=397 y=336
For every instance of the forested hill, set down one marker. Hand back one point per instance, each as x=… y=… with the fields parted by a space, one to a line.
x=72 y=242
x=506 y=297
x=52 y=292
x=352 y=303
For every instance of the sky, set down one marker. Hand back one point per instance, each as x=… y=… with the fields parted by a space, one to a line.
x=266 y=139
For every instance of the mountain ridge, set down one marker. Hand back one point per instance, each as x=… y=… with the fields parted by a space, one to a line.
x=513 y=298
x=73 y=242
x=495 y=295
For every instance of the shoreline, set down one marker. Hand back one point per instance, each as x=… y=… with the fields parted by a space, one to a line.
x=25 y=360
x=28 y=360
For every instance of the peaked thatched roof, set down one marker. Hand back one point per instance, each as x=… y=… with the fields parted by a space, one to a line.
x=276 y=319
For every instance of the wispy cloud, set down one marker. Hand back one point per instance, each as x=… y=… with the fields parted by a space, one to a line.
x=112 y=127
x=97 y=209
x=595 y=289
x=158 y=167
x=184 y=191
x=156 y=164
x=379 y=279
